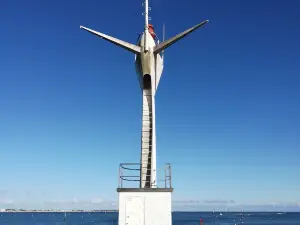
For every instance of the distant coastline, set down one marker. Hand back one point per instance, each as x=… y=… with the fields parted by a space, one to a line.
x=54 y=210
x=114 y=210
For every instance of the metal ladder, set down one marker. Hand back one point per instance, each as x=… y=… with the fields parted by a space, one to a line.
x=146 y=143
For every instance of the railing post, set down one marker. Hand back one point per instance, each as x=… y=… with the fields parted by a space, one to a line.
x=170 y=175
x=165 y=177
x=119 y=178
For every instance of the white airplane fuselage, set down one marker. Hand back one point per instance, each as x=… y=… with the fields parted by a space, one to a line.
x=148 y=63
x=149 y=67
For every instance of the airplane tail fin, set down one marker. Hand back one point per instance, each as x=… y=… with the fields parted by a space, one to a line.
x=165 y=44
x=123 y=44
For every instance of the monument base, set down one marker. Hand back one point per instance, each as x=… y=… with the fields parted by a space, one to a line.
x=145 y=206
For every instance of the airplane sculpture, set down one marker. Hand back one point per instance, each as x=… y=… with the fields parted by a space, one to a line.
x=149 y=65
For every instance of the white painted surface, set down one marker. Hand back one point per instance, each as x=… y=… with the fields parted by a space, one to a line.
x=153 y=158
x=145 y=208
x=134 y=210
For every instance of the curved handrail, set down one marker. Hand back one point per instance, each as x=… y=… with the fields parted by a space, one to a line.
x=126 y=168
x=122 y=177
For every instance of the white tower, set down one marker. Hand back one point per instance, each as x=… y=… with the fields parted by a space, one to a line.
x=148 y=203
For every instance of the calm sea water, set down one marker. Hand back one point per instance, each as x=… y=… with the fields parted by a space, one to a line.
x=179 y=218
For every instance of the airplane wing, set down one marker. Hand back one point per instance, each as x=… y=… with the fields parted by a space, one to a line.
x=123 y=44
x=160 y=47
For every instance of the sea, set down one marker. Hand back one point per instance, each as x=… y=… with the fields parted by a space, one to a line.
x=179 y=218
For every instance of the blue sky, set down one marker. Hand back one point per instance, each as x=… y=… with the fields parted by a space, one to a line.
x=227 y=106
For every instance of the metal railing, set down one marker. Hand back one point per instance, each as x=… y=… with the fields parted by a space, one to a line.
x=129 y=173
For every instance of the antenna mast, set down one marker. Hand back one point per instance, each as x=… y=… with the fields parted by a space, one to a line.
x=147 y=18
x=146 y=13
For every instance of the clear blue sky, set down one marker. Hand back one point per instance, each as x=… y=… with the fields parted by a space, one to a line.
x=228 y=103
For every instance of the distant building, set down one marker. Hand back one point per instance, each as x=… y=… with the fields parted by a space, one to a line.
x=2 y=210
